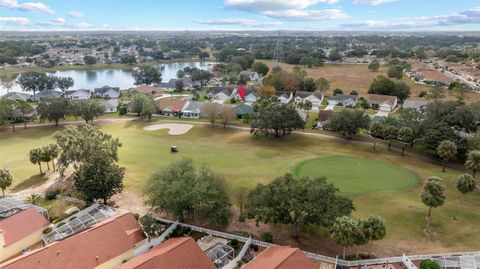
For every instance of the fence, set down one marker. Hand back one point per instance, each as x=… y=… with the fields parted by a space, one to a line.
x=398 y=259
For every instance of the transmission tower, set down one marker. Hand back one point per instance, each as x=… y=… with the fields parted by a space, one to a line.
x=278 y=54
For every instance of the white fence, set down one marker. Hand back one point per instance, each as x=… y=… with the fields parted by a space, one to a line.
x=443 y=257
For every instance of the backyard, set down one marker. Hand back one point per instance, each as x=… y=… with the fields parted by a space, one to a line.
x=380 y=182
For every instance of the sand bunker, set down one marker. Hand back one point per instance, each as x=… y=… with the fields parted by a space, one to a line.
x=174 y=129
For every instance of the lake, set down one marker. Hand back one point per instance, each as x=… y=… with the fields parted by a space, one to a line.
x=90 y=79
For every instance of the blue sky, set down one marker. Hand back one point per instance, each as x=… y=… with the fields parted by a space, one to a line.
x=323 y=15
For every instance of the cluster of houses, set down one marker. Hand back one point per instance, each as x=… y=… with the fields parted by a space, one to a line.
x=103 y=237
x=422 y=74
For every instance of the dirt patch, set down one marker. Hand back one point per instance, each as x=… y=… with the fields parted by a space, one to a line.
x=174 y=128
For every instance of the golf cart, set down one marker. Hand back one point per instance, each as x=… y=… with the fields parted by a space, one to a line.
x=173 y=149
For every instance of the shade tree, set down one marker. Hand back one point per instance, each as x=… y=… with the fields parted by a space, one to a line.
x=433 y=196
x=6 y=180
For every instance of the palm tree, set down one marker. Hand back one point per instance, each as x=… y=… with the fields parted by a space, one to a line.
x=473 y=161
x=35 y=158
x=5 y=180
x=343 y=232
x=447 y=150
x=54 y=151
x=433 y=196
x=33 y=199
x=465 y=184
x=375 y=229
x=45 y=156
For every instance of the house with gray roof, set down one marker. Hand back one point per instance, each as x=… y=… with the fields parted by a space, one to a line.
x=221 y=93
x=343 y=100
x=107 y=92
x=81 y=94
x=284 y=97
x=414 y=104
x=16 y=96
x=243 y=109
x=46 y=95
x=315 y=98
x=252 y=76
x=192 y=110
x=110 y=106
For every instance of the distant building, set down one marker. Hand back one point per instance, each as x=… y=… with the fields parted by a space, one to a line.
x=284 y=97
x=315 y=98
x=110 y=106
x=16 y=96
x=252 y=76
x=46 y=95
x=146 y=89
x=192 y=110
x=170 y=106
x=107 y=92
x=247 y=95
x=81 y=94
x=385 y=103
x=414 y=104
x=221 y=93
x=343 y=100
x=243 y=109
x=324 y=117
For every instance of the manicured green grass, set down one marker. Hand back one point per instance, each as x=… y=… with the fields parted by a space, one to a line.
x=244 y=160
x=354 y=175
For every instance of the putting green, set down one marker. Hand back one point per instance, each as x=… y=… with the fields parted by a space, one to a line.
x=355 y=175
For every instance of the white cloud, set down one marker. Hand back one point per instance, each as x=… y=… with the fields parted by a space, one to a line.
x=471 y=16
x=269 y=5
x=27 y=6
x=372 y=2
x=59 y=20
x=75 y=14
x=15 y=20
x=289 y=9
x=241 y=22
x=306 y=14
x=83 y=25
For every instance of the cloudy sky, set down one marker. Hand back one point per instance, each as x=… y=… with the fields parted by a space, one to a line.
x=324 y=15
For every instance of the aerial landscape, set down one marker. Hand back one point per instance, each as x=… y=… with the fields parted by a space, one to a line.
x=240 y=134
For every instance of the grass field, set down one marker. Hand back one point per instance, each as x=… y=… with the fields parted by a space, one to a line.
x=357 y=77
x=245 y=160
x=354 y=175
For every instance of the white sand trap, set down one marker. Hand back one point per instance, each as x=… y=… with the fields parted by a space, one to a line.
x=174 y=128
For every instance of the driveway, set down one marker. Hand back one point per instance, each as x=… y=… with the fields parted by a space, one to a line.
x=330 y=107
x=382 y=113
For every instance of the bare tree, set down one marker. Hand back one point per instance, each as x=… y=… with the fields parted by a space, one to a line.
x=211 y=111
x=7 y=82
x=227 y=115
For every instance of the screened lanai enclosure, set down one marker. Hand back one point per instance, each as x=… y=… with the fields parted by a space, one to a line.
x=79 y=222
x=10 y=206
x=220 y=254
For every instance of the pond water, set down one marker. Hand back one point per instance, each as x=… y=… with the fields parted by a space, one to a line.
x=90 y=79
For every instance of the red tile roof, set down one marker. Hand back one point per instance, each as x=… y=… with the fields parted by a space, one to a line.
x=176 y=253
x=87 y=249
x=280 y=257
x=21 y=225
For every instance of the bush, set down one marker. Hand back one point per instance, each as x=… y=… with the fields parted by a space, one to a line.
x=136 y=216
x=429 y=264
x=242 y=217
x=337 y=91
x=47 y=230
x=267 y=237
x=52 y=193
x=422 y=94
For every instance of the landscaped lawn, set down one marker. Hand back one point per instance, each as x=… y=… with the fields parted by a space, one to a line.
x=356 y=175
x=388 y=180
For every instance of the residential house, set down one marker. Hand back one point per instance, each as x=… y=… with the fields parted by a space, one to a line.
x=105 y=245
x=247 y=95
x=170 y=106
x=243 y=109
x=281 y=257
x=192 y=110
x=315 y=98
x=110 y=106
x=16 y=96
x=166 y=86
x=20 y=231
x=107 y=92
x=175 y=253
x=146 y=89
x=385 y=103
x=221 y=93
x=252 y=76
x=343 y=100
x=284 y=97
x=46 y=95
x=324 y=117
x=414 y=104
x=303 y=115
x=81 y=94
